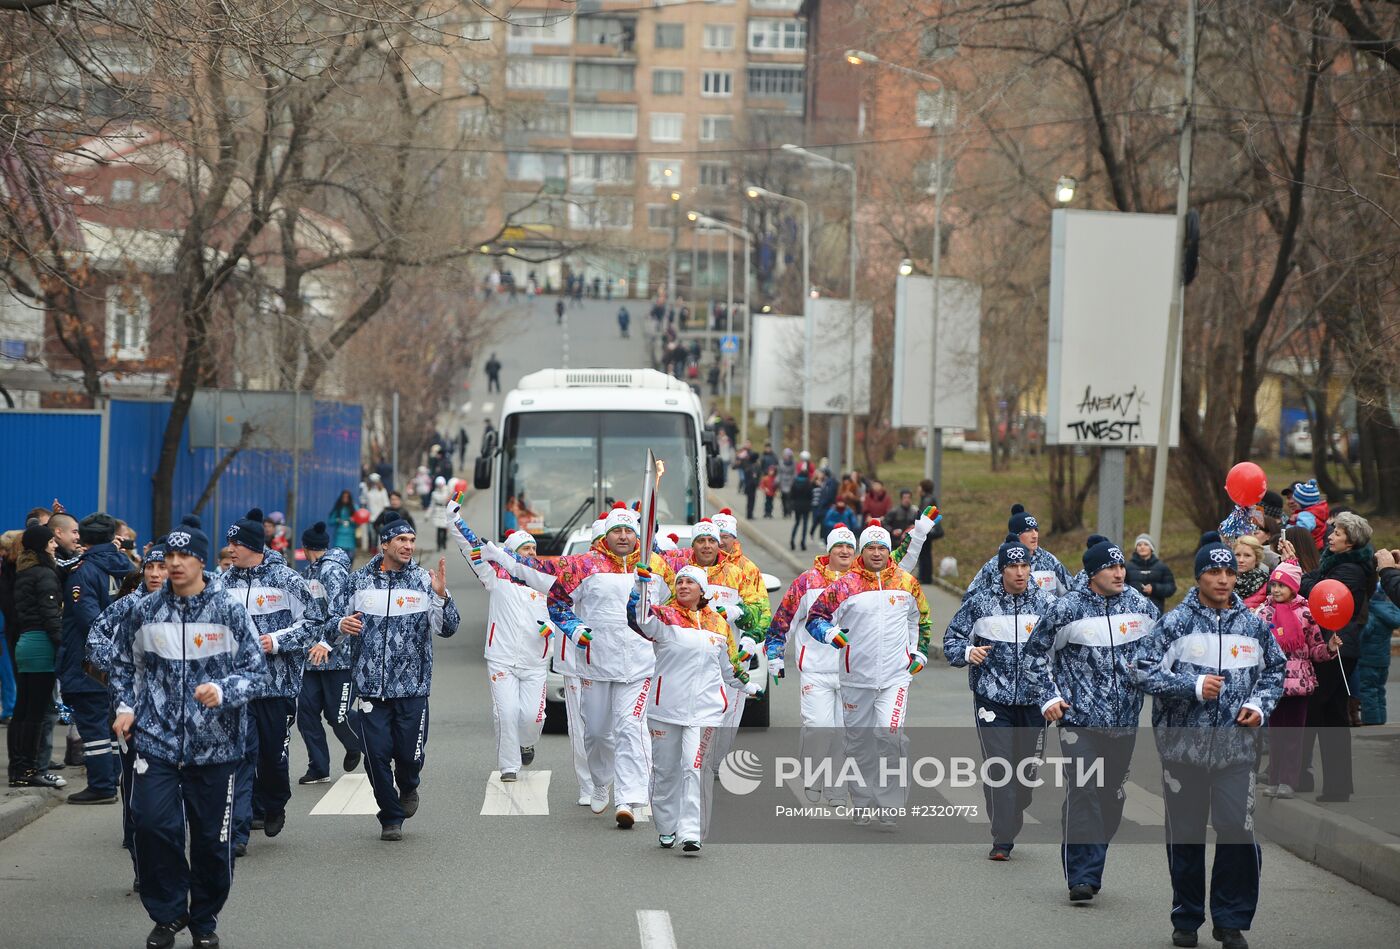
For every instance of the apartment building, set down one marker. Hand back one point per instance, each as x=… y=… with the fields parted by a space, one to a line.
x=601 y=123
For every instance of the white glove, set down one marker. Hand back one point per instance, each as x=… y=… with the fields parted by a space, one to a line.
x=453 y=508
x=775 y=668
x=751 y=688
x=747 y=648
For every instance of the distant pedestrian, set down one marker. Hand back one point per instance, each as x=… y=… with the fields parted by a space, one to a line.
x=1149 y=574
x=493 y=374
x=624 y=320
x=768 y=484
x=559 y=312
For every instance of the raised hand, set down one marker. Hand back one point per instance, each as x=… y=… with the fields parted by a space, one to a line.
x=440 y=578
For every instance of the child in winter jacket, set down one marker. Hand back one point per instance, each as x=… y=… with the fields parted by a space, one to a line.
x=768 y=484
x=1373 y=668
x=1301 y=640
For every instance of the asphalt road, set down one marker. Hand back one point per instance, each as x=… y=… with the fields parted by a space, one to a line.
x=570 y=879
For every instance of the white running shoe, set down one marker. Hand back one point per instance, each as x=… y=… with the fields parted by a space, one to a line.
x=599 y=801
x=585 y=799
x=625 y=820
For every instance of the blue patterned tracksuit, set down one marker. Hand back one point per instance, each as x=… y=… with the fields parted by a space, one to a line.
x=393 y=674
x=326 y=689
x=1005 y=688
x=186 y=753
x=1091 y=642
x=90 y=588
x=281 y=606
x=1047 y=574
x=1208 y=760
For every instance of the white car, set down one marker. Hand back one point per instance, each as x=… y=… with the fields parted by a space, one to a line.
x=1299 y=441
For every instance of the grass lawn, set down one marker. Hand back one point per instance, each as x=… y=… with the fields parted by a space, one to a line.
x=976 y=503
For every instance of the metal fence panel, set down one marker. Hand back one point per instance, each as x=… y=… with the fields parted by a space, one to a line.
x=49 y=454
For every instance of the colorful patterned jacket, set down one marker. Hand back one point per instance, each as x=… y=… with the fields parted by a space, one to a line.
x=1009 y=673
x=695 y=655
x=791 y=619
x=1047 y=573
x=281 y=605
x=328 y=581
x=401 y=615
x=886 y=617
x=726 y=579
x=752 y=591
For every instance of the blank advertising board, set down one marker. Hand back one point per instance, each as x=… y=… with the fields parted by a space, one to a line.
x=775 y=378
x=1111 y=281
x=959 y=343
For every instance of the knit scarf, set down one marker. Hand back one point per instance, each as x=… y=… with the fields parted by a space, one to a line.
x=1251 y=580
x=1289 y=628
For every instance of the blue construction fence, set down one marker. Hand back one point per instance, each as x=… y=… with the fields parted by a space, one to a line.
x=59 y=454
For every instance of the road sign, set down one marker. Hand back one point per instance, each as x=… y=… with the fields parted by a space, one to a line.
x=729 y=345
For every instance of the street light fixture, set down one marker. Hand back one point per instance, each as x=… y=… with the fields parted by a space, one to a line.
x=1065 y=188
x=732 y=231
x=933 y=450
x=906 y=267
x=849 y=169
x=754 y=192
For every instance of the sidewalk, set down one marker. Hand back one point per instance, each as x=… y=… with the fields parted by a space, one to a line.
x=773 y=555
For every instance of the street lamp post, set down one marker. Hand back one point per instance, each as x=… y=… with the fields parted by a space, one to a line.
x=850 y=169
x=933 y=450
x=733 y=231
x=753 y=191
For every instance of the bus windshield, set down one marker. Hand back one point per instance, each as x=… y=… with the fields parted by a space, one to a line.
x=560 y=468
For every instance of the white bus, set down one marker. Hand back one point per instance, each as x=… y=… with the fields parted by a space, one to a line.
x=572 y=441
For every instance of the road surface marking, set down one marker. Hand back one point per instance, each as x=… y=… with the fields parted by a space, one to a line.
x=1143 y=807
x=352 y=794
x=466 y=408
x=654 y=926
x=488 y=407
x=526 y=797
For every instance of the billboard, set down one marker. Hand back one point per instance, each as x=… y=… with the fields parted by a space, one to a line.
x=959 y=345
x=1111 y=282
x=841 y=353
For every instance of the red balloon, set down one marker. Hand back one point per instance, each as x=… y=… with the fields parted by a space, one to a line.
x=1331 y=604
x=457 y=486
x=361 y=516
x=1246 y=484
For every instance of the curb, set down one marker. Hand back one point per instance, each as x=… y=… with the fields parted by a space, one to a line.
x=21 y=807
x=1350 y=848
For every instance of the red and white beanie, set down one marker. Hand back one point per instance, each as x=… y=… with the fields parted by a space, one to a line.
x=517 y=539
x=622 y=516
x=727 y=522
x=705 y=528
x=669 y=542
x=599 y=528
x=692 y=572
x=840 y=534
x=874 y=533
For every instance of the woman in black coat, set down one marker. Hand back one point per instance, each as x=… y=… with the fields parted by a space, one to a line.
x=38 y=622
x=1350 y=559
x=1149 y=574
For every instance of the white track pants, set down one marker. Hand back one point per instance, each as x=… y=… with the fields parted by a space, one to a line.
x=576 y=746
x=874 y=720
x=517 y=707
x=680 y=778
x=615 y=736
x=725 y=733
x=822 y=722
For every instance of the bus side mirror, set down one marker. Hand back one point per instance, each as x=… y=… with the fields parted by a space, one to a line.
x=714 y=471
x=481 y=474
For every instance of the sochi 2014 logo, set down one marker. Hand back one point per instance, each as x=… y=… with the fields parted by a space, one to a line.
x=177 y=539
x=1016 y=554
x=1221 y=556
x=740 y=772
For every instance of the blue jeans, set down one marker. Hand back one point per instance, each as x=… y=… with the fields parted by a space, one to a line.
x=8 y=691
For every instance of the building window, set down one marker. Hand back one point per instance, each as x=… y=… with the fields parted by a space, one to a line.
x=534 y=166
x=473 y=123
x=537 y=74
x=476 y=75
x=429 y=74
x=661 y=217
x=150 y=192
x=664 y=172
x=613 y=121
x=475 y=29
x=601 y=212
x=714 y=174
x=603 y=77
x=667 y=126
x=716 y=128
x=534 y=209
x=128 y=323
x=607 y=31
x=553 y=28
x=670 y=35
x=775 y=4
x=777 y=36
x=717 y=82
x=719 y=36
x=926 y=176
x=937 y=109
x=667 y=82
x=474 y=165
x=777 y=82
x=937 y=42
x=602 y=168
x=538 y=119
x=123 y=189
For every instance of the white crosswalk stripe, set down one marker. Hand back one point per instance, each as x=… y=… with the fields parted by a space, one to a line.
x=654 y=928
x=526 y=797
x=352 y=794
